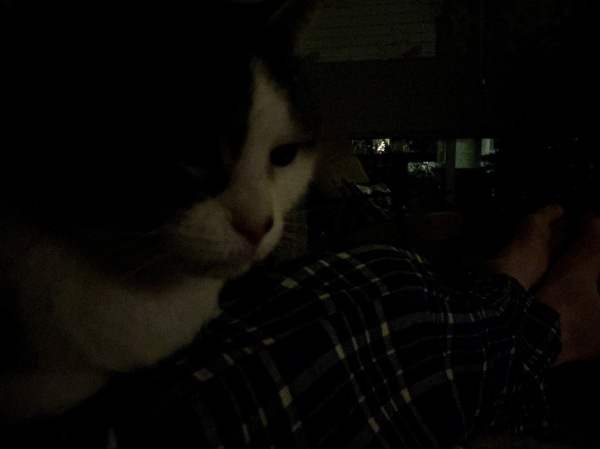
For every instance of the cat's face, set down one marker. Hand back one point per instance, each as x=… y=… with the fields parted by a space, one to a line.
x=145 y=169
x=223 y=235
x=98 y=266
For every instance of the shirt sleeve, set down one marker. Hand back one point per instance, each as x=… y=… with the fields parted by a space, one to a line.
x=365 y=348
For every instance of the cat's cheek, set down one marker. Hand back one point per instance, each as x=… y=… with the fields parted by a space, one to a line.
x=207 y=240
x=270 y=240
x=292 y=181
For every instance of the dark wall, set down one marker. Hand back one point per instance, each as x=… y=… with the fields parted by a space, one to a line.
x=509 y=68
x=395 y=97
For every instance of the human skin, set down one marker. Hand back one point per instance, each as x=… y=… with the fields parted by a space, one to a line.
x=568 y=284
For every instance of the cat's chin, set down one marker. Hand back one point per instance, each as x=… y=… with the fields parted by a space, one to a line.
x=236 y=264
x=235 y=260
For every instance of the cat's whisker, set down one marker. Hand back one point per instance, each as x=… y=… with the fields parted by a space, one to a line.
x=289 y=240
x=149 y=262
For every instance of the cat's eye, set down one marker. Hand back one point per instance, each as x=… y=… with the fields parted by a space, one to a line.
x=284 y=154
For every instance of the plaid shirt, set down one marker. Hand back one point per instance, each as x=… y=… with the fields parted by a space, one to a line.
x=365 y=348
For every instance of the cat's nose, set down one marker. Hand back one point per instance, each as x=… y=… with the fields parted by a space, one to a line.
x=253 y=231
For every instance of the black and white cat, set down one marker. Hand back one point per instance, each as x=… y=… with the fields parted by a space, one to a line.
x=150 y=152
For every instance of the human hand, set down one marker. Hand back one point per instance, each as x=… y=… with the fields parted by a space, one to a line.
x=529 y=254
x=571 y=288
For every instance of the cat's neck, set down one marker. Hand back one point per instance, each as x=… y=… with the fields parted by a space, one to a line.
x=82 y=328
x=113 y=327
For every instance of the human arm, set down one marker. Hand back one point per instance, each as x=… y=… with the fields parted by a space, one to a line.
x=568 y=284
x=571 y=288
x=529 y=254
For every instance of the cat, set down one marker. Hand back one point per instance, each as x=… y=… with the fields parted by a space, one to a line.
x=150 y=153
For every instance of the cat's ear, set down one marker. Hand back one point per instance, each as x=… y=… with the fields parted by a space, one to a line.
x=291 y=17
x=283 y=18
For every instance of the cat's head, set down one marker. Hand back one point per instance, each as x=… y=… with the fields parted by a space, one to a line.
x=156 y=142
x=149 y=151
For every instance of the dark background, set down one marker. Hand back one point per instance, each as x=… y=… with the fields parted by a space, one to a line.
x=521 y=73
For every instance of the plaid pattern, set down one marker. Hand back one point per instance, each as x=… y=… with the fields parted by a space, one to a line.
x=362 y=349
